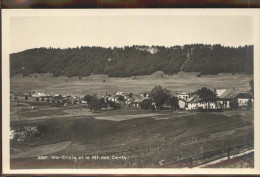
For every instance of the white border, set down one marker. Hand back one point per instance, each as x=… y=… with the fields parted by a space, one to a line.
x=7 y=14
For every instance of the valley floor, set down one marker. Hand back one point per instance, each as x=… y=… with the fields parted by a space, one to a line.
x=130 y=139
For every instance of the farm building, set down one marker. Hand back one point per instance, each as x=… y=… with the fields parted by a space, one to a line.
x=113 y=98
x=182 y=104
x=120 y=93
x=39 y=94
x=219 y=91
x=243 y=98
x=195 y=102
x=145 y=94
x=232 y=94
x=137 y=102
x=183 y=96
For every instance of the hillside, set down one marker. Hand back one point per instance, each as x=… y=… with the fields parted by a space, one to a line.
x=134 y=60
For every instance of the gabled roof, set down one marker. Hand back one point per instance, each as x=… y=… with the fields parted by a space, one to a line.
x=229 y=94
x=232 y=94
x=193 y=98
x=141 y=99
x=182 y=93
x=136 y=96
x=220 y=91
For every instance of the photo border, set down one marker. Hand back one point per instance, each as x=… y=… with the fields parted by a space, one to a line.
x=8 y=13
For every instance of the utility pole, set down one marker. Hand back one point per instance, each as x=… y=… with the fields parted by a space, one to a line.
x=228 y=153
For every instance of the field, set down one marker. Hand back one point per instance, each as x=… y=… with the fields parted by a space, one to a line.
x=143 y=139
x=100 y=84
x=74 y=137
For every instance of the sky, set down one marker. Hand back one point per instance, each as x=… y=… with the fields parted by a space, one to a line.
x=110 y=31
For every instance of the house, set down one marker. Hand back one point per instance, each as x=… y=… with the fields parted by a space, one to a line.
x=227 y=96
x=57 y=96
x=29 y=93
x=182 y=104
x=121 y=93
x=138 y=102
x=145 y=94
x=39 y=94
x=194 y=102
x=243 y=98
x=232 y=94
x=219 y=91
x=183 y=96
x=113 y=98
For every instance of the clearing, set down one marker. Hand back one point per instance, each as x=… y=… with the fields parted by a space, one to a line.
x=95 y=84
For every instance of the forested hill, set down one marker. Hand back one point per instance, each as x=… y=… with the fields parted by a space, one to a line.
x=134 y=60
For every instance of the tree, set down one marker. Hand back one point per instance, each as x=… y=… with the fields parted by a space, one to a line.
x=233 y=104
x=207 y=95
x=26 y=98
x=88 y=98
x=42 y=98
x=251 y=83
x=146 y=104
x=159 y=95
x=121 y=98
x=103 y=103
x=114 y=105
x=64 y=102
x=58 y=102
x=95 y=104
x=132 y=60
x=249 y=103
x=174 y=102
x=37 y=99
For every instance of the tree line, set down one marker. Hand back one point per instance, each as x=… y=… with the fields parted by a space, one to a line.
x=132 y=60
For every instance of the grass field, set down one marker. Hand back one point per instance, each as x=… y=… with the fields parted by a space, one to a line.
x=144 y=141
x=94 y=84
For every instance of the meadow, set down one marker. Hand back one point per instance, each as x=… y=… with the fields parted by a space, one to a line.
x=145 y=140
x=101 y=84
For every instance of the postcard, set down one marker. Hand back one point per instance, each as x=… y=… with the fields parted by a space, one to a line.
x=130 y=91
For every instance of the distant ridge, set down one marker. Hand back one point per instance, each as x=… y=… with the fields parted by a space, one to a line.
x=133 y=60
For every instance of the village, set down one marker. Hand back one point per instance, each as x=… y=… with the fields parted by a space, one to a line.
x=103 y=122
x=174 y=121
x=157 y=99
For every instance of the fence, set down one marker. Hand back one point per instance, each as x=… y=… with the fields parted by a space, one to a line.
x=210 y=156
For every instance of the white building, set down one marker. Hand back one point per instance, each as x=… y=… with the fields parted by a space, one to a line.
x=182 y=104
x=195 y=102
x=243 y=98
x=183 y=96
x=39 y=94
